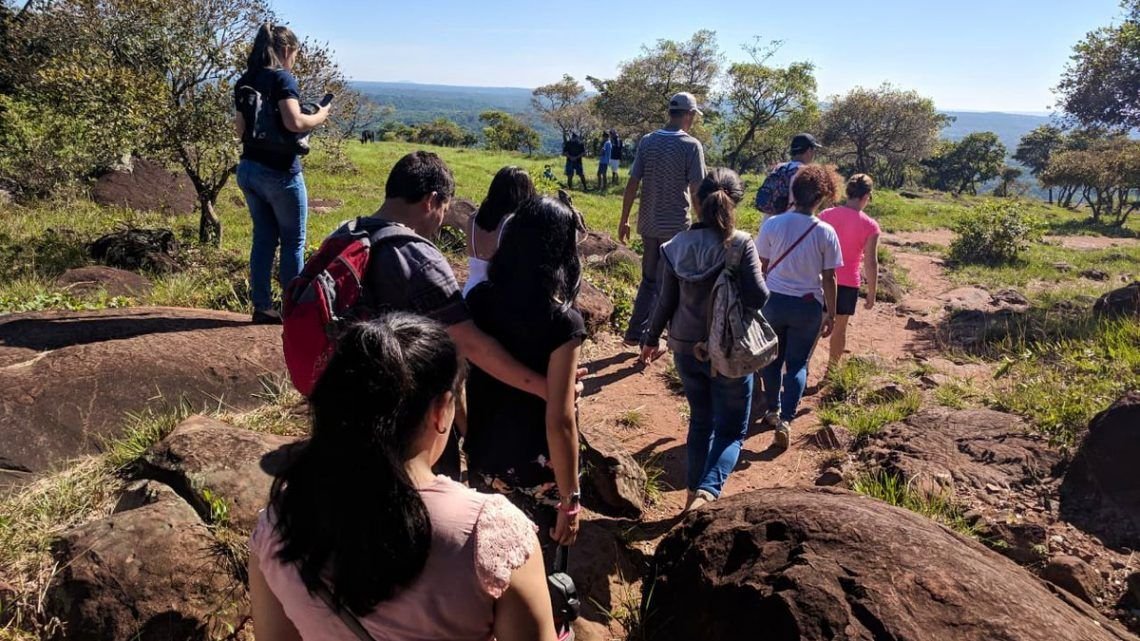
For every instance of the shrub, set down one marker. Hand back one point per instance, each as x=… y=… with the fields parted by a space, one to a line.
x=995 y=233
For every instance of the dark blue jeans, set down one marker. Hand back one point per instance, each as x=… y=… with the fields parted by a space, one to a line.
x=796 y=322
x=718 y=422
x=646 y=300
x=279 y=206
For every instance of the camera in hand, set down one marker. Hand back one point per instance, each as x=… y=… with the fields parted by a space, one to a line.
x=563 y=594
x=327 y=100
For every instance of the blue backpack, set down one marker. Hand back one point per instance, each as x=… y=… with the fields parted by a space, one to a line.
x=776 y=192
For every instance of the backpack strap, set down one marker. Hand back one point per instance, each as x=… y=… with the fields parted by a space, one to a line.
x=734 y=254
x=350 y=621
x=789 y=250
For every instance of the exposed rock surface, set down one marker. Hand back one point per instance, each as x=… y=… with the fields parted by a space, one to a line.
x=68 y=379
x=146 y=186
x=615 y=480
x=1123 y=302
x=599 y=248
x=597 y=309
x=133 y=249
x=85 y=281
x=804 y=565
x=154 y=573
x=1074 y=575
x=232 y=464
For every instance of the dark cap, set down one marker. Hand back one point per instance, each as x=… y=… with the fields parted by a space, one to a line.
x=684 y=101
x=803 y=142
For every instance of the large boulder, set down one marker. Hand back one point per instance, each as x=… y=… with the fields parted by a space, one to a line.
x=154 y=573
x=134 y=249
x=597 y=248
x=85 y=281
x=1120 y=303
x=596 y=308
x=68 y=380
x=207 y=461
x=1101 y=490
x=814 y=564
x=615 y=482
x=146 y=186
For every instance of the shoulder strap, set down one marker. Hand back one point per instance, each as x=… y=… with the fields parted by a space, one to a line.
x=351 y=622
x=793 y=247
x=735 y=251
x=502 y=227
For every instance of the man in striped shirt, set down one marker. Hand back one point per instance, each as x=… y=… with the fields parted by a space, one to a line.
x=668 y=169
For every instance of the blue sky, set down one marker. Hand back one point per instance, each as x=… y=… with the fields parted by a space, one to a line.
x=995 y=55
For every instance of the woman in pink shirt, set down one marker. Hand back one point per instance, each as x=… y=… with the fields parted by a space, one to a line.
x=361 y=540
x=858 y=239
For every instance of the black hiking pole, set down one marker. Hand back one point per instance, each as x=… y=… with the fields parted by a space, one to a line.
x=563 y=595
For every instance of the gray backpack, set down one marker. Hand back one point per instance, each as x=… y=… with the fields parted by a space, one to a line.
x=740 y=340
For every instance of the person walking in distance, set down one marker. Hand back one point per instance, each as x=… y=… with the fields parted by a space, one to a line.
x=271 y=179
x=668 y=169
x=800 y=254
x=775 y=195
x=617 y=149
x=692 y=262
x=574 y=150
x=859 y=240
x=604 y=155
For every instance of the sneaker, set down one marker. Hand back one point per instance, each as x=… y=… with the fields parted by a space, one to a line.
x=783 y=435
x=771 y=418
x=701 y=499
x=266 y=317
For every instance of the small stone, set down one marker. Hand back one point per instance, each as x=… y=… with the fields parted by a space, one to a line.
x=886 y=394
x=833 y=437
x=1058 y=539
x=830 y=477
x=1095 y=274
x=1075 y=576
x=1063 y=267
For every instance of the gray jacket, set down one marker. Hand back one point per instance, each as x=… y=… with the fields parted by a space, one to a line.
x=692 y=262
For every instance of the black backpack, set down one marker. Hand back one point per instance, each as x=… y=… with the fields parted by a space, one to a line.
x=264 y=129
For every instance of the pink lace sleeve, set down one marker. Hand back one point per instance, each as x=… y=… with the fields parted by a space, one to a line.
x=504 y=540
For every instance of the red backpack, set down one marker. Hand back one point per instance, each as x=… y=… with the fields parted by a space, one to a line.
x=319 y=301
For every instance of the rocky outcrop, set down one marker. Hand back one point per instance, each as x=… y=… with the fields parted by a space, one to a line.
x=153 y=573
x=211 y=464
x=615 y=482
x=600 y=249
x=154 y=250
x=1120 y=303
x=146 y=186
x=1074 y=575
x=69 y=379
x=805 y=565
x=596 y=308
x=86 y=281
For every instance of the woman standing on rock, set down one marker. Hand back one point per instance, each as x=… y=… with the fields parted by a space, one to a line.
x=859 y=239
x=510 y=187
x=360 y=538
x=693 y=260
x=270 y=177
x=800 y=254
x=518 y=444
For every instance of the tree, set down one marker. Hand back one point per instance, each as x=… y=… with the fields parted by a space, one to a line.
x=444 y=133
x=961 y=166
x=564 y=105
x=1009 y=176
x=884 y=131
x=1035 y=149
x=1106 y=174
x=636 y=101
x=503 y=131
x=762 y=107
x=1100 y=84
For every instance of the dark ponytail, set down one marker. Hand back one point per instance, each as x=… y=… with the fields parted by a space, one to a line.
x=720 y=192
x=346 y=510
x=269 y=47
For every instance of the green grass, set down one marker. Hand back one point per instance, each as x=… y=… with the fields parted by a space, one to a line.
x=1053 y=264
x=855 y=398
x=893 y=490
x=956 y=394
x=634 y=418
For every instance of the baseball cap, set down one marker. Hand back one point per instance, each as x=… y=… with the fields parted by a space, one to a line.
x=803 y=142
x=684 y=101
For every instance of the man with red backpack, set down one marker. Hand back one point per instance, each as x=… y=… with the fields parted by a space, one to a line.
x=775 y=195
x=383 y=263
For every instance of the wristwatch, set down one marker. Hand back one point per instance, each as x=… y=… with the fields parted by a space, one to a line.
x=572 y=500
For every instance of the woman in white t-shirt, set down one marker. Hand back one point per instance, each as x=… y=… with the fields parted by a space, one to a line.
x=799 y=253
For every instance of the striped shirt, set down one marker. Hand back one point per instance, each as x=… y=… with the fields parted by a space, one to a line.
x=667 y=163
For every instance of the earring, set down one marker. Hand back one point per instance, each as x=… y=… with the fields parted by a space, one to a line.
x=441 y=431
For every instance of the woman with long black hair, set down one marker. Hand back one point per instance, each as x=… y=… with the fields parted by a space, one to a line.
x=271 y=179
x=517 y=444
x=509 y=188
x=360 y=532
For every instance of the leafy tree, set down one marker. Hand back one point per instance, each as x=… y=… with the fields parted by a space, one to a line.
x=1009 y=176
x=1035 y=149
x=565 y=105
x=762 y=107
x=444 y=133
x=1099 y=86
x=635 y=102
x=503 y=131
x=961 y=166
x=1106 y=175
x=884 y=131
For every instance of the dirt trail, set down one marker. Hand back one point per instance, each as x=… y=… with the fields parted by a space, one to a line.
x=617 y=386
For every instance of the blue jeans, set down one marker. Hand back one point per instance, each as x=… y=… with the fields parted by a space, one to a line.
x=718 y=422
x=646 y=300
x=279 y=206
x=796 y=322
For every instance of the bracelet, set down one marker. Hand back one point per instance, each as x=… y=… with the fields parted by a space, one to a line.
x=571 y=511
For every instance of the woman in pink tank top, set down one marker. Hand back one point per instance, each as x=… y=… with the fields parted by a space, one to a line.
x=361 y=540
